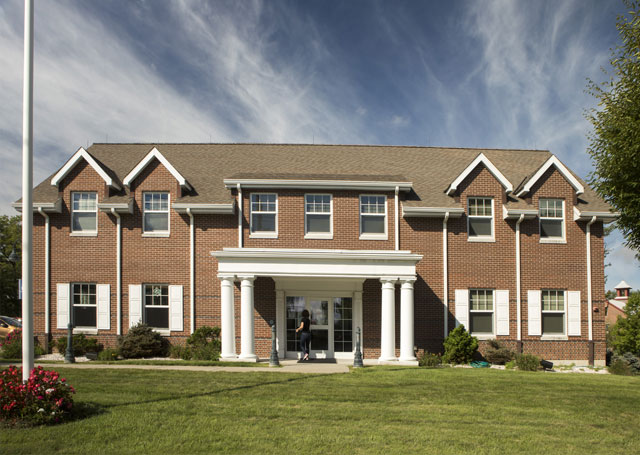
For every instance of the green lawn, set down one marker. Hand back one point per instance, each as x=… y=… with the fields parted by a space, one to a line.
x=373 y=410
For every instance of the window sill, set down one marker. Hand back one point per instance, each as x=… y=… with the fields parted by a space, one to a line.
x=484 y=336
x=83 y=234
x=155 y=234
x=374 y=237
x=560 y=241
x=85 y=331
x=163 y=332
x=554 y=338
x=319 y=235
x=481 y=239
x=263 y=235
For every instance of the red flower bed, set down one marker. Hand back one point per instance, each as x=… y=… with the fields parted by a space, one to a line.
x=44 y=398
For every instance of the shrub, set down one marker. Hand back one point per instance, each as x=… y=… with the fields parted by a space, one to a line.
x=45 y=398
x=81 y=345
x=527 y=362
x=510 y=365
x=429 y=360
x=204 y=344
x=108 y=354
x=624 y=335
x=141 y=341
x=627 y=364
x=180 y=352
x=11 y=346
x=459 y=346
x=497 y=353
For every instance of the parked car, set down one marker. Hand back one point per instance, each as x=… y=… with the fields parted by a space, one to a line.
x=8 y=325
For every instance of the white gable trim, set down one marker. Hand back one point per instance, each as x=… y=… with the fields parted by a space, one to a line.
x=552 y=161
x=82 y=154
x=494 y=171
x=155 y=153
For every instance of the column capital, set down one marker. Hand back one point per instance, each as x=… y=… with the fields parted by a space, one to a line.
x=224 y=278
x=388 y=280
x=247 y=278
x=407 y=282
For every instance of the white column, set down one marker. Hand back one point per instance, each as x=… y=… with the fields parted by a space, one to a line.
x=228 y=339
x=388 y=321
x=406 y=321
x=247 y=343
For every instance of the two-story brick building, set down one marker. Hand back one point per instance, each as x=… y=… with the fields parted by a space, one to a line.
x=402 y=242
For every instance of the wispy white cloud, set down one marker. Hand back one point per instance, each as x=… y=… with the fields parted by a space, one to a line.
x=399 y=120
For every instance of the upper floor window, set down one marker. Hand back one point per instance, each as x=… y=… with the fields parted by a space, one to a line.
x=84 y=212
x=553 y=312
x=480 y=219
x=481 y=311
x=373 y=217
x=264 y=214
x=156 y=213
x=551 y=220
x=84 y=305
x=156 y=306
x=317 y=216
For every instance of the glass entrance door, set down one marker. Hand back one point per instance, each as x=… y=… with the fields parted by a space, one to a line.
x=319 y=314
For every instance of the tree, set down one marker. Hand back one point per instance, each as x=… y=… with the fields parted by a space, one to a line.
x=10 y=264
x=615 y=139
x=625 y=334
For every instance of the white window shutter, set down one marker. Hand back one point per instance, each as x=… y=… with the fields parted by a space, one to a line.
x=104 y=306
x=462 y=308
x=573 y=313
x=135 y=304
x=62 y=294
x=502 y=312
x=535 y=312
x=175 y=309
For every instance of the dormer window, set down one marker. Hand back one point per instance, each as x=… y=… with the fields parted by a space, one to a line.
x=84 y=213
x=156 y=213
x=480 y=219
x=551 y=220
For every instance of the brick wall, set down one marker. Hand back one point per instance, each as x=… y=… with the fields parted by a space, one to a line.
x=471 y=265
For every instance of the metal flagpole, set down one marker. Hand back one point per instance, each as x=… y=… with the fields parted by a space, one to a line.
x=27 y=189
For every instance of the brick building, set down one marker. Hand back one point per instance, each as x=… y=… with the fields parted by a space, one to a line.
x=402 y=242
x=615 y=307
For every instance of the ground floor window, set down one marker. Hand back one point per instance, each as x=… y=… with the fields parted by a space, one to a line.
x=553 y=312
x=481 y=311
x=156 y=305
x=342 y=324
x=84 y=305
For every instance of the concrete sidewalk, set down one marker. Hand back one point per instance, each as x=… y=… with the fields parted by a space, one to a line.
x=287 y=366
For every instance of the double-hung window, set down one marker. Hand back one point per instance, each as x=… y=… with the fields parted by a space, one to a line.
x=156 y=213
x=373 y=217
x=551 y=220
x=480 y=219
x=481 y=311
x=84 y=305
x=264 y=215
x=84 y=213
x=156 y=306
x=317 y=216
x=553 y=309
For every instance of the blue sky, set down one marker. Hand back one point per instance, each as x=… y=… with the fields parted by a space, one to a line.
x=503 y=74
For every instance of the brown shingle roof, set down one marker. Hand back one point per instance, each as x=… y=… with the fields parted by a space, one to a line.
x=431 y=169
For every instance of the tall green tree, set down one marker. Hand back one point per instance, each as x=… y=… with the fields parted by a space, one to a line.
x=10 y=264
x=625 y=334
x=615 y=139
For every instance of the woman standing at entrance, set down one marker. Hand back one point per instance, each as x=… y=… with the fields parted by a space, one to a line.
x=305 y=334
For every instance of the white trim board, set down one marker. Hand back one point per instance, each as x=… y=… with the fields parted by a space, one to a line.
x=318 y=184
x=155 y=153
x=480 y=159
x=552 y=161
x=69 y=165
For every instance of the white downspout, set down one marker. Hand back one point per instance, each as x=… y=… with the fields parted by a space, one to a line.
x=47 y=278
x=192 y=238
x=518 y=289
x=445 y=277
x=589 y=302
x=118 y=271
x=397 y=221
x=240 y=208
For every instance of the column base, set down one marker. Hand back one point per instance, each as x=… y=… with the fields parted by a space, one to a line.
x=228 y=357
x=412 y=358
x=248 y=358
x=387 y=361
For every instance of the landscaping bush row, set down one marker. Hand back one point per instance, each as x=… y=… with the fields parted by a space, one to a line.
x=624 y=340
x=11 y=346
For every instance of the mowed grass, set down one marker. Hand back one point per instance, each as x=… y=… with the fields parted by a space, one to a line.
x=372 y=410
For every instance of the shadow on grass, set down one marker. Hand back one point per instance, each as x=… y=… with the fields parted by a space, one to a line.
x=85 y=410
x=216 y=392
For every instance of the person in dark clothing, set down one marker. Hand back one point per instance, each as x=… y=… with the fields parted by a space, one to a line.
x=305 y=334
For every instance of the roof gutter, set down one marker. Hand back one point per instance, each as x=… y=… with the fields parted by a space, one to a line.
x=319 y=184
x=203 y=209
x=51 y=207
x=433 y=212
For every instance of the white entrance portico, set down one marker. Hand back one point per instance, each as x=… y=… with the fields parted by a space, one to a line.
x=329 y=284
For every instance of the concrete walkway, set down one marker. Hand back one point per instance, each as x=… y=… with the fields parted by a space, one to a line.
x=287 y=366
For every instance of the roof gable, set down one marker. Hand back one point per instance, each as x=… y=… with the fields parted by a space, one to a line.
x=552 y=161
x=155 y=153
x=480 y=159
x=82 y=154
